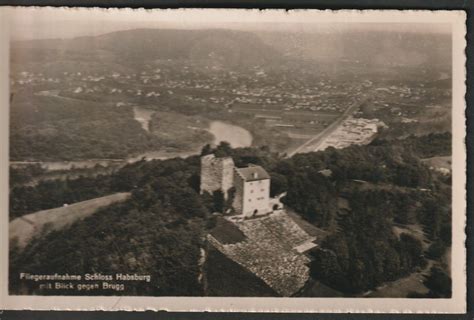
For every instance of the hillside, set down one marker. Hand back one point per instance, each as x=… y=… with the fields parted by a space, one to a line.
x=241 y=47
x=27 y=227
x=367 y=49
x=59 y=128
x=161 y=229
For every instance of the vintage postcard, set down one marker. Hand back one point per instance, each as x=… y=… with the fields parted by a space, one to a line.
x=232 y=160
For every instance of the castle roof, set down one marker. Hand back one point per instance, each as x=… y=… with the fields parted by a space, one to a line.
x=253 y=173
x=271 y=248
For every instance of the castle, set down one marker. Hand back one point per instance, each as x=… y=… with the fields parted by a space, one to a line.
x=251 y=184
x=261 y=238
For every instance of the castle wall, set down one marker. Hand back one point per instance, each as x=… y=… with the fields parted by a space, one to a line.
x=227 y=175
x=239 y=193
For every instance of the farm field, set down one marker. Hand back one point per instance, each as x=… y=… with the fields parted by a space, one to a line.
x=26 y=228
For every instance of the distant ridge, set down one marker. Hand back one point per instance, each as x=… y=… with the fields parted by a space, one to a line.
x=229 y=47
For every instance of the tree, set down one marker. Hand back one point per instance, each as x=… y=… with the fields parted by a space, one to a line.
x=207 y=149
x=223 y=150
x=436 y=250
x=219 y=201
x=279 y=184
x=410 y=251
x=194 y=182
x=439 y=283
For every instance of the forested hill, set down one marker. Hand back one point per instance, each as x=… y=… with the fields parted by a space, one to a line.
x=122 y=51
x=358 y=195
x=234 y=48
x=243 y=48
x=370 y=49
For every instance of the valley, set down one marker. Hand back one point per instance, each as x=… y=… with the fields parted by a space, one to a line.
x=281 y=109
x=105 y=149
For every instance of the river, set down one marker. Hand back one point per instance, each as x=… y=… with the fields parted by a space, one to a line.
x=143 y=116
x=237 y=136
x=222 y=131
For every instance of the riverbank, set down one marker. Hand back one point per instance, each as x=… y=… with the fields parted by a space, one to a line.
x=238 y=137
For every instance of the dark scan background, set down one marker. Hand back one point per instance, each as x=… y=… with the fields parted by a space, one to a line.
x=467 y=5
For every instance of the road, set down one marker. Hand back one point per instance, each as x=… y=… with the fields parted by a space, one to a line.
x=33 y=225
x=312 y=143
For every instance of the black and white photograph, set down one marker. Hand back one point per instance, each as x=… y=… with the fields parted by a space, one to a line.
x=219 y=154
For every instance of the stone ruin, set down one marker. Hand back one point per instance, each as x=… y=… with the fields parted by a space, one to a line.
x=216 y=174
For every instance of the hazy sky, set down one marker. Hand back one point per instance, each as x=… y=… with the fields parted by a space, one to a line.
x=37 y=23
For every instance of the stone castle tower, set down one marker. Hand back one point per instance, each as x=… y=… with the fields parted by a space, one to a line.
x=216 y=174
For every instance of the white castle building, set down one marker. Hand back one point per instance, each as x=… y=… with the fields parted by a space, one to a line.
x=252 y=185
x=252 y=191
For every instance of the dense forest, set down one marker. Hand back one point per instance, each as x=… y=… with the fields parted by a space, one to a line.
x=49 y=194
x=357 y=194
x=157 y=232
